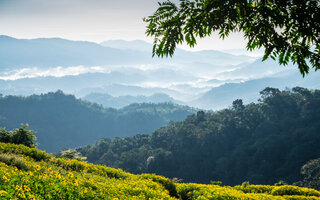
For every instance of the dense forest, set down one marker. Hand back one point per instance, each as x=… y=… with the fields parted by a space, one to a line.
x=62 y=121
x=261 y=142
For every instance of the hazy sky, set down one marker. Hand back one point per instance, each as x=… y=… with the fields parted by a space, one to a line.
x=90 y=20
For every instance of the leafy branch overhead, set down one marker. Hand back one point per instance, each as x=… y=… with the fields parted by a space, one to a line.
x=289 y=30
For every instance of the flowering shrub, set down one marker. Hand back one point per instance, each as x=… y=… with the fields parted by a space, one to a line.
x=255 y=188
x=294 y=190
x=27 y=173
x=36 y=154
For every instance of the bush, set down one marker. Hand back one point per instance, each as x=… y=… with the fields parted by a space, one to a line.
x=73 y=165
x=247 y=188
x=14 y=160
x=185 y=190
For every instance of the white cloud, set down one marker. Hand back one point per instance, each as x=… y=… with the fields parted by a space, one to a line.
x=55 y=72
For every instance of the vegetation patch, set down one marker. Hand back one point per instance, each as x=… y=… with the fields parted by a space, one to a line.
x=51 y=179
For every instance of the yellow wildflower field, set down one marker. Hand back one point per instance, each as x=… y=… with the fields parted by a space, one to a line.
x=28 y=173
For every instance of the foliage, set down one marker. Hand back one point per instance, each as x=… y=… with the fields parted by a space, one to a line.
x=14 y=160
x=260 y=142
x=281 y=182
x=215 y=182
x=168 y=184
x=311 y=172
x=71 y=154
x=21 y=135
x=199 y=191
x=35 y=154
x=287 y=29
x=294 y=190
x=62 y=121
x=50 y=179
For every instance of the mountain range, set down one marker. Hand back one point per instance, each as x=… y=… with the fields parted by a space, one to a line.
x=51 y=52
x=117 y=73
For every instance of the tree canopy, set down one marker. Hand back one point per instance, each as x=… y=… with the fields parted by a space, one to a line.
x=289 y=30
x=63 y=121
x=261 y=142
x=311 y=172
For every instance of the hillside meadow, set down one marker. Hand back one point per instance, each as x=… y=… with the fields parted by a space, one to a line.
x=28 y=173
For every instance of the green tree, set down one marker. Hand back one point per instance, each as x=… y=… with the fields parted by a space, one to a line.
x=21 y=135
x=237 y=104
x=24 y=136
x=288 y=29
x=311 y=172
x=5 y=136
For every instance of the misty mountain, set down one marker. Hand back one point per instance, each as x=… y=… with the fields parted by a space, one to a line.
x=223 y=96
x=62 y=121
x=52 y=52
x=72 y=83
x=121 y=101
x=137 y=45
x=205 y=56
x=80 y=86
x=131 y=90
x=205 y=79
x=257 y=69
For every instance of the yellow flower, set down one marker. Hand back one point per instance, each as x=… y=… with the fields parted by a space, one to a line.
x=26 y=188
x=21 y=194
x=32 y=197
x=76 y=183
x=50 y=170
x=70 y=174
x=58 y=176
x=2 y=192
x=5 y=178
x=38 y=167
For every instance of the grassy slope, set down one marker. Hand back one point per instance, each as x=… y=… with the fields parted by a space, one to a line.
x=27 y=173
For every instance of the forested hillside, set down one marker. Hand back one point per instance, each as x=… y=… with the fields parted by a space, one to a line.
x=62 y=121
x=260 y=142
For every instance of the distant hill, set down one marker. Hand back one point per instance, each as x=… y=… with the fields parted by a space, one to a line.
x=258 y=69
x=121 y=101
x=222 y=96
x=137 y=45
x=51 y=52
x=206 y=56
x=62 y=121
